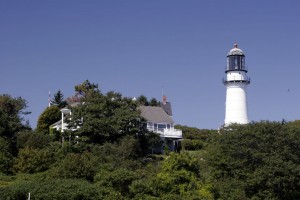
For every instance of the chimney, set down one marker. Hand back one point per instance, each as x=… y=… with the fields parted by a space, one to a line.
x=164 y=99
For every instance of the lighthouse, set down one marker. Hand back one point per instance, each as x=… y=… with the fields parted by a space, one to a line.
x=236 y=81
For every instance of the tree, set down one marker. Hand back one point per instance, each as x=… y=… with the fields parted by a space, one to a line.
x=181 y=175
x=194 y=138
x=11 y=115
x=77 y=165
x=59 y=100
x=197 y=134
x=86 y=89
x=148 y=140
x=179 y=178
x=119 y=179
x=154 y=102
x=83 y=91
x=48 y=117
x=142 y=100
x=32 y=140
x=6 y=158
x=34 y=160
x=260 y=160
x=104 y=118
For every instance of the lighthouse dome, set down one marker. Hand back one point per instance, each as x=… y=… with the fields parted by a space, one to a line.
x=235 y=51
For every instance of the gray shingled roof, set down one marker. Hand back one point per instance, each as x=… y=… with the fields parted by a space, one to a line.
x=155 y=114
x=167 y=107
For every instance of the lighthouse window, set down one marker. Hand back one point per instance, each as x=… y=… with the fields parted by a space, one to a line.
x=236 y=63
x=243 y=62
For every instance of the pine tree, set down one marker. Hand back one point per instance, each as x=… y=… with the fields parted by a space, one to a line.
x=59 y=100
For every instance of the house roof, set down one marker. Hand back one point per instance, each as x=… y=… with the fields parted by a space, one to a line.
x=155 y=114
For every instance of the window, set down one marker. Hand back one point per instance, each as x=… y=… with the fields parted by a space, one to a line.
x=236 y=63
x=161 y=126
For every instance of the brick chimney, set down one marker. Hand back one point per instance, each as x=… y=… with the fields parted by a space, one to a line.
x=164 y=100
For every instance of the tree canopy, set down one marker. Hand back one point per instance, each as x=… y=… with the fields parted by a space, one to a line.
x=143 y=101
x=59 y=100
x=100 y=118
x=49 y=116
x=260 y=160
x=12 y=111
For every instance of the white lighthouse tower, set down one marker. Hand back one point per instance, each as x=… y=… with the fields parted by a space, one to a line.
x=236 y=81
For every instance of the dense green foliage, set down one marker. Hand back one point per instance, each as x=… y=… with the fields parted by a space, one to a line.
x=11 y=122
x=48 y=117
x=106 y=118
x=256 y=161
x=33 y=160
x=194 y=138
x=49 y=189
x=11 y=111
x=33 y=140
x=100 y=118
x=6 y=158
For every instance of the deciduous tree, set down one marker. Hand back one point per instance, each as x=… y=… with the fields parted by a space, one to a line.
x=104 y=118
x=34 y=160
x=48 y=117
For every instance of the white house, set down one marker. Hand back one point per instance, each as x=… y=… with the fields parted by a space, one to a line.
x=66 y=113
x=159 y=120
x=61 y=125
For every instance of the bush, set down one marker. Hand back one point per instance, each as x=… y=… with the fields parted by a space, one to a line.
x=188 y=144
x=119 y=179
x=34 y=160
x=33 y=140
x=67 y=189
x=77 y=165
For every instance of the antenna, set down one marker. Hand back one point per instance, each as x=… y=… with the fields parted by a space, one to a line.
x=49 y=100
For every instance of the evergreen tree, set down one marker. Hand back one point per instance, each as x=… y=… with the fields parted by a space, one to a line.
x=154 y=102
x=86 y=89
x=142 y=100
x=59 y=100
x=11 y=115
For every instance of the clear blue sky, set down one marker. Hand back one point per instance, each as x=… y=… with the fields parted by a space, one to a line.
x=137 y=47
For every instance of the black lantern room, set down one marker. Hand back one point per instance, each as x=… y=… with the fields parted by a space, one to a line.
x=235 y=60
